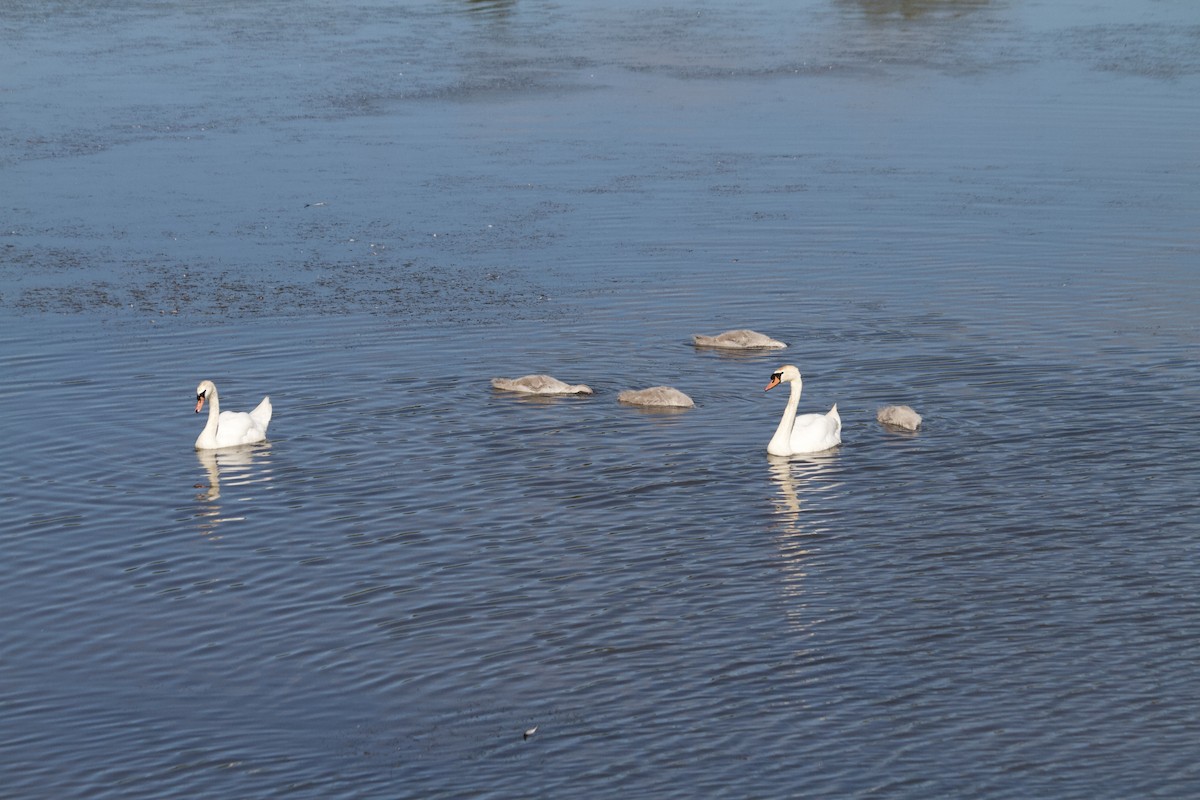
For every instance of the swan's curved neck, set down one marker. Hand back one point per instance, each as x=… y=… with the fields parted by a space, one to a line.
x=214 y=413
x=781 y=442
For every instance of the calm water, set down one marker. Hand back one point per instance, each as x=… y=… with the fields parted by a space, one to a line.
x=987 y=210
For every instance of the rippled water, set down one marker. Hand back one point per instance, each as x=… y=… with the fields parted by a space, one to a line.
x=984 y=210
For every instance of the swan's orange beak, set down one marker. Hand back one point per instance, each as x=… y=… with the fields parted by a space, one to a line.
x=774 y=382
x=199 y=403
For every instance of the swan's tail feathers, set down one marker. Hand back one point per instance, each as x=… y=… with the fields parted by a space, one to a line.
x=836 y=417
x=262 y=414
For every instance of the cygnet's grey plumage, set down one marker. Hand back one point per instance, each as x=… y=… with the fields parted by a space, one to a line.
x=539 y=384
x=741 y=339
x=656 y=396
x=899 y=417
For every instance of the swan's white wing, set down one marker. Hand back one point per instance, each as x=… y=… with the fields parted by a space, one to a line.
x=815 y=432
x=238 y=427
x=262 y=414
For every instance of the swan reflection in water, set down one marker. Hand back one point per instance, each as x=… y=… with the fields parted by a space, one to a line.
x=801 y=480
x=230 y=470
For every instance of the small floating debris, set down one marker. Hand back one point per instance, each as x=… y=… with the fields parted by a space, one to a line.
x=530 y=732
x=902 y=417
x=539 y=384
x=740 y=339
x=314 y=205
x=656 y=397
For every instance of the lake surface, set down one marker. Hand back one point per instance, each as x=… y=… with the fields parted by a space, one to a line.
x=985 y=210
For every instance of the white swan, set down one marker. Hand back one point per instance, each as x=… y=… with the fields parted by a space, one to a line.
x=230 y=428
x=656 y=397
x=807 y=433
x=902 y=417
x=740 y=339
x=539 y=384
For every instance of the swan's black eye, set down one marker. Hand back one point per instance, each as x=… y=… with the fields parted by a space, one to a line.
x=776 y=376
x=200 y=396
